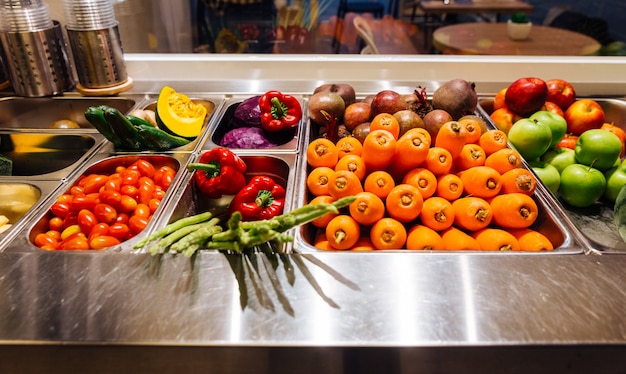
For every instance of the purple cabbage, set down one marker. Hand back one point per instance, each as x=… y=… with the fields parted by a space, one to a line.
x=247 y=113
x=246 y=137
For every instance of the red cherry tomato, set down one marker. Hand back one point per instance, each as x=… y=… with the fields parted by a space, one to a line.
x=113 y=198
x=137 y=223
x=128 y=204
x=105 y=213
x=142 y=210
x=65 y=198
x=130 y=177
x=131 y=191
x=77 y=190
x=42 y=239
x=145 y=167
x=60 y=209
x=146 y=189
x=103 y=241
x=122 y=218
x=164 y=176
x=153 y=204
x=93 y=182
x=98 y=230
x=114 y=183
x=55 y=223
x=75 y=243
x=86 y=220
x=80 y=202
x=119 y=231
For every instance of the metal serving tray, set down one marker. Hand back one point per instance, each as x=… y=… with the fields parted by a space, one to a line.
x=285 y=144
x=99 y=163
x=594 y=223
x=551 y=222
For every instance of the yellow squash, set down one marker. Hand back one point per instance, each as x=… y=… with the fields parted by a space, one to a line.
x=178 y=115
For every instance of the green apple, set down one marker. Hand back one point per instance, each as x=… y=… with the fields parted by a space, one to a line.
x=547 y=174
x=530 y=138
x=582 y=185
x=559 y=157
x=615 y=180
x=557 y=124
x=598 y=148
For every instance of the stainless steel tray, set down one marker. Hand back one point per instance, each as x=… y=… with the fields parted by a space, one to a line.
x=595 y=223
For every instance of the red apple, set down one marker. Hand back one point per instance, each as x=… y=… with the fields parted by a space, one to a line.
x=552 y=107
x=526 y=95
x=583 y=115
x=504 y=118
x=561 y=93
x=568 y=141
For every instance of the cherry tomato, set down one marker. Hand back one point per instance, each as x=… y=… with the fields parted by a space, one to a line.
x=70 y=220
x=153 y=204
x=131 y=191
x=77 y=190
x=43 y=239
x=65 y=198
x=158 y=194
x=145 y=168
x=105 y=213
x=55 y=234
x=146 y=189
x=119 y=169
x=128 y=204
x=103 y=241
x=142 y=210
x=137 y=223
x=55 y=223
x=114 y=183
x=60 y=209
x=119 y=231
x=164 y=176
x=98 y=230
x=113 y=198
x=93 y=182
x=86 y=220
x=122 y=218
x=75 y=243
x=130 y=177
x=80 y=202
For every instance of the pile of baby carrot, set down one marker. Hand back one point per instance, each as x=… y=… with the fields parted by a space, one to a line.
x=463 y=189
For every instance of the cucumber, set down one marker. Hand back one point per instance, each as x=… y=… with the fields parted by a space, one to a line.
x=160 y=140
x=125 y=131
x=95 y=116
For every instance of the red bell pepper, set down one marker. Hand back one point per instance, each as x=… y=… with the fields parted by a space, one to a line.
x=261 y=198
x=219 y=172
x=279 y=111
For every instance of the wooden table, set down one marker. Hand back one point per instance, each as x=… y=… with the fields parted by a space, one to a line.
x=435 y=11
x=480 y=38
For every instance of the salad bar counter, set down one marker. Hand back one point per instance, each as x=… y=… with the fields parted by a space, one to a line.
x=272 y=298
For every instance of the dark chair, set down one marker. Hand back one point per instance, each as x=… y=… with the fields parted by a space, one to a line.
x=346 y=6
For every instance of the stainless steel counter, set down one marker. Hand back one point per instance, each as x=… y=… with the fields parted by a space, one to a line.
x=321 y=312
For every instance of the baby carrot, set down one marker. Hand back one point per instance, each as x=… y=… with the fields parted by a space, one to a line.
x=423 y=179
x=322 y=152
x=364 y=244
x=367 y=208
x=411 y=150
x=322 y=221
x=492 y=141
x=321 y=242
x=349 y=145
x=504 y=160
x=354 y=164
x=388 y=233
x=471 y=155
x=437 y=213
x=379 y=147
x=532 y=240
x=421 y=237
x=343 y=183
x=518 y=180
x=449 y=186
x=317 y=180
x=471 y=213
x=495 y=239
x=514 y=210
x=481 y=181
x=379 y=183
x=451 y=136
x=404 y=202
x=386 y=121
x=438 y=160
x=455 y=239
x=342 y=232
x=473 y=129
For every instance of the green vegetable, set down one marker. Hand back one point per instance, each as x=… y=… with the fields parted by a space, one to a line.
x=159 y=139
x=189 y=234
x=95 y=116
x=125 y=131
x=619 y=213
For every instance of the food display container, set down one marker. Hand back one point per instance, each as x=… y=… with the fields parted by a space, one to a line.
x=100 y=163
x=285 y=142
x=552 y=223
x=594 y=223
